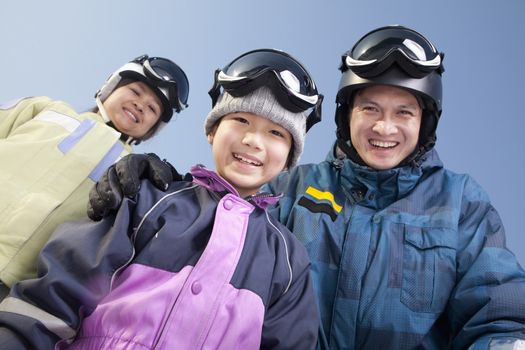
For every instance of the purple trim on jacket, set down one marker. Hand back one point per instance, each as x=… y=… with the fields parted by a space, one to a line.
x=111 y=157
x=195 y=308
x=145 y=288
x=69 y=142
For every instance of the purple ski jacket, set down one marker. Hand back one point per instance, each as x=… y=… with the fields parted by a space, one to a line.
x=196 y=267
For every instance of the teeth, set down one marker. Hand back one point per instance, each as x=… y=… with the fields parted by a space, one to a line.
x=132 y=116
x=383 y=144
x=245 y=160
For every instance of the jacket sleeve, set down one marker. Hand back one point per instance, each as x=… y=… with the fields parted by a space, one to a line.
x=487 y=307
x=292 y=321
x=75 y=271
x=17 y=112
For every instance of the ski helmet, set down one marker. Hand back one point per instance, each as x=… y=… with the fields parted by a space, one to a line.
x=396 y=56
x=163 y=76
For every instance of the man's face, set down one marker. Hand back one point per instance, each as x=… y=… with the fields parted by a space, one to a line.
x=384 y=125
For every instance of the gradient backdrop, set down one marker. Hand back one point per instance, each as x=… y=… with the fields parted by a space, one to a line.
x=66 y=49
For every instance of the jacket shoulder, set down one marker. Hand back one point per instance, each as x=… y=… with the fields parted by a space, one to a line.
x=471 y=190
x=300 y=176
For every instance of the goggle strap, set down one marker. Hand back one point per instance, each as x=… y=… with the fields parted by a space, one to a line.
x=315 y=116
x=441 y=68
x=174 y=99
x=215 y=90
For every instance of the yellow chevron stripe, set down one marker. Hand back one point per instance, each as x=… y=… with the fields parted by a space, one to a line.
x=324 y=195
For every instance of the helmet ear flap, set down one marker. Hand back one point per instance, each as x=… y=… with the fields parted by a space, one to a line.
x=427 y=130
x=109 y=86
x=342 y=122
x=344 y=142
x=343 y=127
x=426 y=138
x=345 y=101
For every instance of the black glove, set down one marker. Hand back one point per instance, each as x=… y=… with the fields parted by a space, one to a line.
x=123 y=179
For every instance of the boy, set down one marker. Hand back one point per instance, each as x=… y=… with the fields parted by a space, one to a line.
x=201 y=266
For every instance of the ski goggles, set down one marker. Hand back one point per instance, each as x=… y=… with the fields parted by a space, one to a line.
x=380 y=49
x=289 y=81
x=166 y=74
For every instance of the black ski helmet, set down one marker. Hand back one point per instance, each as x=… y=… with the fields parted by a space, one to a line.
x=396 y=56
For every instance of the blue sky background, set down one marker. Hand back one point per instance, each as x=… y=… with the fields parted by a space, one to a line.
x=66 y=49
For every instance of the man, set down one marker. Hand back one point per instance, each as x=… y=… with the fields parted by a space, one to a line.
x=405 y=253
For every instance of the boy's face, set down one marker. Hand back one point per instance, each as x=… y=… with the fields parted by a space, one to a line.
x=133 y=109
x=384 y=125
x=249 y=150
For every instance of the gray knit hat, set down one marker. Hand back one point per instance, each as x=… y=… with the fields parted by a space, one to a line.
x=262 y=103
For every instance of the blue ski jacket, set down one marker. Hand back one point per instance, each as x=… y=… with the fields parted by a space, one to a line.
x=411 y=257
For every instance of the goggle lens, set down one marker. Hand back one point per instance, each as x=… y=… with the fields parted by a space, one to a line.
x=171 y=73
x=285 y=76
x=254 y=63
x=377 y=45
x=378 y=50
x=167 y=74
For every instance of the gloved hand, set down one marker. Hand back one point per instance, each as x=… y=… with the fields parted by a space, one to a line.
x=123 y=179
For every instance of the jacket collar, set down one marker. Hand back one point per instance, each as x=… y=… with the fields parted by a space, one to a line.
x=381 y=188
x=213 y=181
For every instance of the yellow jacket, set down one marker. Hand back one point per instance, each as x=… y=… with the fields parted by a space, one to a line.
x=50 y=157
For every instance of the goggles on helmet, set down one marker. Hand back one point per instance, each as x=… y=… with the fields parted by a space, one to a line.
x=380 y=49
x=163 y=73
x=285 y=76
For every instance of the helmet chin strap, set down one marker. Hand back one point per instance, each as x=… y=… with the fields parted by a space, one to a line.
x=102 y=110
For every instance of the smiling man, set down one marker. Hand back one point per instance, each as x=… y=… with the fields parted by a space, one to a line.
x=384 y=123
x=405 y=253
